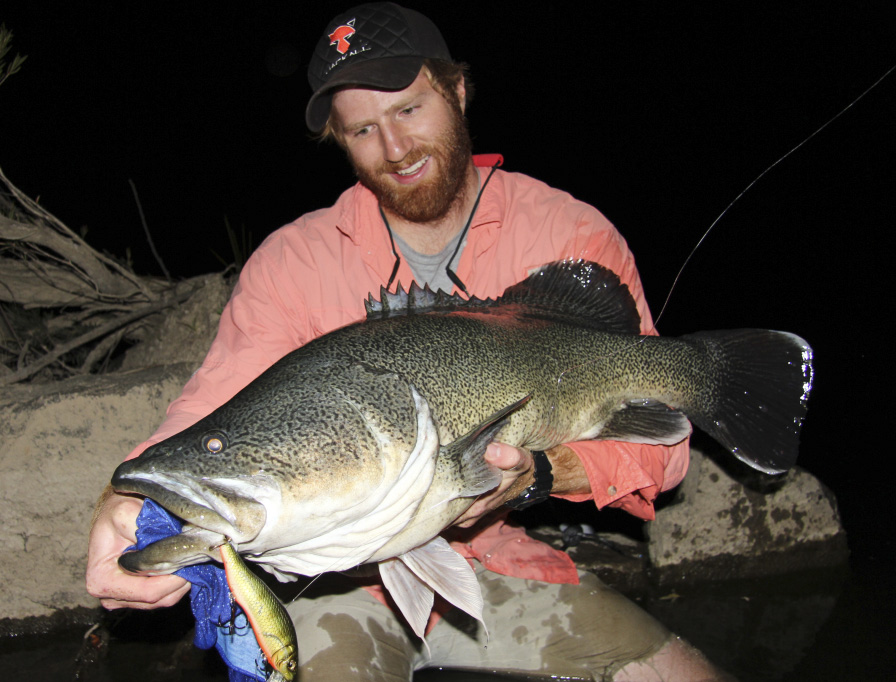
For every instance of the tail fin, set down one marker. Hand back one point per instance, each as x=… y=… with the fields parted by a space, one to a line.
x=760 y=395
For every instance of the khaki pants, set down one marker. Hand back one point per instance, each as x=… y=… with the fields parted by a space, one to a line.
x=586 y=631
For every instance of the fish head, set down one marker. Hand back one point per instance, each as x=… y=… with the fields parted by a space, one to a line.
x=204 y=475
x=280 y=465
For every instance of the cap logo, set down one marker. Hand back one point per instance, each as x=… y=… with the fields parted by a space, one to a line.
x=340 y=36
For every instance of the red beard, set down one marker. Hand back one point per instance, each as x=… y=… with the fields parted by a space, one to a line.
x=433 y=198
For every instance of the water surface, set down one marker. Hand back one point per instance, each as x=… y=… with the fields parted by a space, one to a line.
x=816 y=625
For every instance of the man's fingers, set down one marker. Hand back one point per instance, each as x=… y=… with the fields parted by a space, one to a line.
x=507 y=457
x=121 y=590
x=168 y=600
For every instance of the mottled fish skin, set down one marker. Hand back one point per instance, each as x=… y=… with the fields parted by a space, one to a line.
x=338 y=454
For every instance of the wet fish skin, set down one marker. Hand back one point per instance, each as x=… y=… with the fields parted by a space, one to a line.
x=357 y=447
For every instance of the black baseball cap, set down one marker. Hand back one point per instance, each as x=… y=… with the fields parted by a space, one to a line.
x=379 y=45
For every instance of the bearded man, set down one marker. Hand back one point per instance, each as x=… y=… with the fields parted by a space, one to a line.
x=426 y=209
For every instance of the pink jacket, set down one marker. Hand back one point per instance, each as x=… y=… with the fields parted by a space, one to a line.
x=312 y=276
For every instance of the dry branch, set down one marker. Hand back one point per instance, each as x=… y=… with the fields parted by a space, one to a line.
x=33 y=234
x=110 y=327
x=81 y=299
x=57 y=294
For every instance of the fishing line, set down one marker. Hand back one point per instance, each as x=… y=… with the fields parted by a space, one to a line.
x=757 y=179
x=687 y=260
x=310 y=583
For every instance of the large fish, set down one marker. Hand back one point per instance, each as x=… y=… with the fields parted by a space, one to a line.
x=364 y=444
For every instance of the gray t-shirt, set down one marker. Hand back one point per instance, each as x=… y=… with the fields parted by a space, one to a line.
x=430 y=269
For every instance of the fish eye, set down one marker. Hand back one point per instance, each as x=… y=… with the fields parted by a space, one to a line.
x=214 y=442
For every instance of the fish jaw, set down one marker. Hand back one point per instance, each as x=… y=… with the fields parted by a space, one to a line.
x=191 y=546
x=232 y=507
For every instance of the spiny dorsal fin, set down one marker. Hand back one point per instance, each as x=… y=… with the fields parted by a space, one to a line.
x=416 y=300
x=576 y=291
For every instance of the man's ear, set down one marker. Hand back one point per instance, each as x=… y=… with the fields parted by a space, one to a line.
x=461 y=95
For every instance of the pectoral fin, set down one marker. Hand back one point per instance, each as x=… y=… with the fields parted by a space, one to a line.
x=477 y=476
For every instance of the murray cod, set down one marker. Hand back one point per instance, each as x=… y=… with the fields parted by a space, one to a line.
x=364 y=444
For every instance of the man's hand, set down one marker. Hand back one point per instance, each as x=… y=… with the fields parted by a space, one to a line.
x=516 y=468
x=113 y=530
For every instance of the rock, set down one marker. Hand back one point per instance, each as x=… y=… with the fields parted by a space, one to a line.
x=183 y=334
x=59 y=444
x=720 y=525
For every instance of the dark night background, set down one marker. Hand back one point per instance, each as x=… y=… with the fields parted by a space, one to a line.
x=658 y=113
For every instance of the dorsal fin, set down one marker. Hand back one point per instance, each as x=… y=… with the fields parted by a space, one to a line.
x=417 y=300
x=580 y=292
x=576 y=291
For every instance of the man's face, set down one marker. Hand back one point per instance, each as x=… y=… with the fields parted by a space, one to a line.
x=410 y=147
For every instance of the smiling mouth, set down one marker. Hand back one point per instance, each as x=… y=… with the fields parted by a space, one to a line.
x=413 y=169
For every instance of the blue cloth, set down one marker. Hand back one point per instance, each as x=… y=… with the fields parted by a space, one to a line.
x=219 y=621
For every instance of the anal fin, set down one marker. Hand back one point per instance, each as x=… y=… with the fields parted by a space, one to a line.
x=647 y=421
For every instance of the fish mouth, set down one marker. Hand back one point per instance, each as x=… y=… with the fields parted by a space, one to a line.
x=189 y=547
x=225 y=506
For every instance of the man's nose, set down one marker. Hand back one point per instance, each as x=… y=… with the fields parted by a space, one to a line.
x=396 y=143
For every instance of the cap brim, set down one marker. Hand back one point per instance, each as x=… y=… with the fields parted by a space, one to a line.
x=388 y=73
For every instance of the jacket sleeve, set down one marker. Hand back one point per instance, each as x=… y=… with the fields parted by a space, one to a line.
x=624 y=475
x=256 y=329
